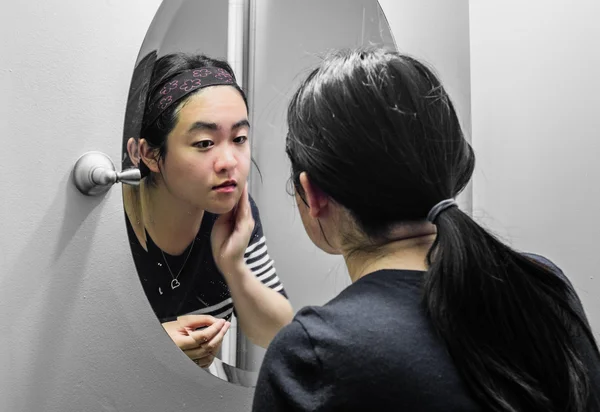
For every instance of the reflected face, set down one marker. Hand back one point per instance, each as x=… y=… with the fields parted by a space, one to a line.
x=208 y=153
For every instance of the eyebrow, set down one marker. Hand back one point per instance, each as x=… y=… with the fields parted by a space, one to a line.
x=214 y=126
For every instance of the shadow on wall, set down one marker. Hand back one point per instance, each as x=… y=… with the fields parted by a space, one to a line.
x=39 y=327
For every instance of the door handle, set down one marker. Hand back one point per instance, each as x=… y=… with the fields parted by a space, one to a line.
x=94 y=173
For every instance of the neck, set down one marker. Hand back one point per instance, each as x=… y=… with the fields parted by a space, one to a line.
x=407 y=251
x=171 y=223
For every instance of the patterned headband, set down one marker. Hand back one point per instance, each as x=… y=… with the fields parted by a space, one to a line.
x=184 y=84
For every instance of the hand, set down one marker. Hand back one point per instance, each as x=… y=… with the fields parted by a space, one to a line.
x=207 y=332
x=231 y=234
x=180 y=335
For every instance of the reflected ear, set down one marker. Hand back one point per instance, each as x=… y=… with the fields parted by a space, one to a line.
x=148 y=156
x=133 y=150
x=317 y=200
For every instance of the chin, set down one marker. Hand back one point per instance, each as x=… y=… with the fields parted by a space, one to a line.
x=220 y=207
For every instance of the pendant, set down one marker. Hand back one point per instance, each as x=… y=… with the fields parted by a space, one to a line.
x=175 y=284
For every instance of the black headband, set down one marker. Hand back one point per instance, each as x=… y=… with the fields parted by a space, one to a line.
x=185 y=83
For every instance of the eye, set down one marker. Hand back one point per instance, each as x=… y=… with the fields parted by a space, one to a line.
x=204 y=144
x=240 y=139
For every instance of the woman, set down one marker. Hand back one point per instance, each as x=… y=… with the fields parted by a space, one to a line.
x=194 y=156
x=440 y=315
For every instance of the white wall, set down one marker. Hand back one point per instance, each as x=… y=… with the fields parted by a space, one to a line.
x=76 y=331
x=536 y=99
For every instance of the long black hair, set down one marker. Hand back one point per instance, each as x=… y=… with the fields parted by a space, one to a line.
x=376 y=131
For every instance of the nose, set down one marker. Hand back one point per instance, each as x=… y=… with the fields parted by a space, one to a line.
x=226 y=160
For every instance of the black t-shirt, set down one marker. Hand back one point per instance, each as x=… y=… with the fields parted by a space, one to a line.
x=200 y=288
x=371 y=348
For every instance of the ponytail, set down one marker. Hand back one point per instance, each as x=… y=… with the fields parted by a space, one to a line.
x=508 y=321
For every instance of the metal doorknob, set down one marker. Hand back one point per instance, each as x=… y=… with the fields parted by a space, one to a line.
x=94 y=174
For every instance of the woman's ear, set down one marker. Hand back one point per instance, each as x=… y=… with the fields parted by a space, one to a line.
x=316 y=199
x=133 y=150
x=148 y=155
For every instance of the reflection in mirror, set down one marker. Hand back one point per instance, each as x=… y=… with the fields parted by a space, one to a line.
x=196 y=234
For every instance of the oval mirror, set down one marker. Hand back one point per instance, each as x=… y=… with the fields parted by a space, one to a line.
x=194 y=144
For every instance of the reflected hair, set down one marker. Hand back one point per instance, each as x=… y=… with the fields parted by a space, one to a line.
x=136 y=103
x=376 y=131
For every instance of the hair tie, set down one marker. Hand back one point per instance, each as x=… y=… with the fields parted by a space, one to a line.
x=439 y=208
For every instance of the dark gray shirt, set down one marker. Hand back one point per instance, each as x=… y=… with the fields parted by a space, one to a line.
x=369 y=349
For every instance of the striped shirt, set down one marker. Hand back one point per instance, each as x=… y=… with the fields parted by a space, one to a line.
x=186 y=285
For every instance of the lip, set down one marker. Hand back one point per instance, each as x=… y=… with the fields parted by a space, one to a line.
x=226 y=187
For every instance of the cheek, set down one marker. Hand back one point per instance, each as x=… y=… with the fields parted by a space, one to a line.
x=313 y=230
x=244 y=159
x=191 y=166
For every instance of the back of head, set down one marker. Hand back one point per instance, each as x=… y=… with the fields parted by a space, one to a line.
x=376 y=131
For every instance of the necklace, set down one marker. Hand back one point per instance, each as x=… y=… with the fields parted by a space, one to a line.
x=175 y=283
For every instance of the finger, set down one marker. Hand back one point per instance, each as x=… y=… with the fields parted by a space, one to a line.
x=223 y=223
x=193 y=322
x=184 y=342
x=180 y=337
x=244 y=203
x=197 y=353
x=210 y=347
x=204 y=362
x=234 y=211
x=207 y=334
x=244 y=212
x=213 y=345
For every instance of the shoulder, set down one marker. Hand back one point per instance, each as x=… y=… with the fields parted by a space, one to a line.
x=300 y=342
x=544 y=261
x=574 y=299
x=291 y=376
x=333 y=333
x=342 y=354
x=323 y=359
x=294 y=337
